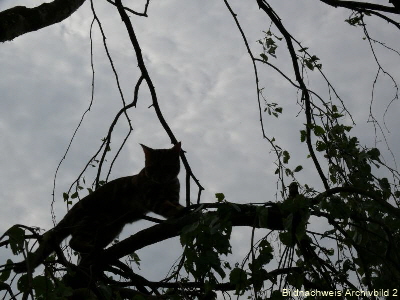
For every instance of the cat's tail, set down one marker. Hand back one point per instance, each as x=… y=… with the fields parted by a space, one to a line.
x=50 y=240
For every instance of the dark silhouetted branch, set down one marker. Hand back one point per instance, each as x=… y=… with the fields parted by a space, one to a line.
x=247 y=216
x=19 y=20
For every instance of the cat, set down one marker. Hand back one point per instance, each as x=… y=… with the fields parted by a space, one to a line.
x=97 y=219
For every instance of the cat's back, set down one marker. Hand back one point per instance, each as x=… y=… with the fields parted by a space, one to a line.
x=113 y=197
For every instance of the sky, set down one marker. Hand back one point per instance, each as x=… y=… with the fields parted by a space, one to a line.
x=206 y=89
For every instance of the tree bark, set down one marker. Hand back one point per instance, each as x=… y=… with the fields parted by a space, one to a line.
x=19 y=20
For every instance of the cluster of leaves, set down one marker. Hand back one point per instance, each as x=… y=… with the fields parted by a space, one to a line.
x=256 y=275
x=297 y=212
x=349 y=163
x=269 y=45
x=205 y=241
x=362 y=217
x=283 y=162
x=271 y=108
x=367 y=243
x=310 y=61
x=355 y=19
x=208 y=239
x=43 y=287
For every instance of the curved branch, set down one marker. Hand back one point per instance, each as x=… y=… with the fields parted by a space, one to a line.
x=363 y=5
x=354 y=190
x=5 y=286
x=110 y=130
x=304 y=91
x=247 y=216
x=143 y=14
x=19 y=20
x=146 y=76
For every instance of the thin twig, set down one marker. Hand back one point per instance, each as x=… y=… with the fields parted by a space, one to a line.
x=151 y=87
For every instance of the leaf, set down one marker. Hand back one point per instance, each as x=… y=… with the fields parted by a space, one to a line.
x=135 y=258
x=65 y=196
x=238 y=277
x=309 y=65
x=220 y=197
x=303 y=49
x=320 y=146
x=264 y=57
x=286 y=157
x=330 y=252
x=303 y=135
x=74 y=195
x=298 y=168
x=23 y=282
x=374 y=153
x=318 y=130
x=286 y=238
x=17 y=238
x=265 y=254
x=5 y=274
x=42 y=285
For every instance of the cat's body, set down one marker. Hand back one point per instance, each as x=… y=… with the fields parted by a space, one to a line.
x=96 y=220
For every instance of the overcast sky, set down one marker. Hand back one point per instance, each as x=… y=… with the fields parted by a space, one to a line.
x=206 y=89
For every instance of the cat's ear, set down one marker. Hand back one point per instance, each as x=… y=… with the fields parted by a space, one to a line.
x=146 y=150
x=177 y=147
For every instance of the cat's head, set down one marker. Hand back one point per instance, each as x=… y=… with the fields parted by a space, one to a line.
x=162 y=165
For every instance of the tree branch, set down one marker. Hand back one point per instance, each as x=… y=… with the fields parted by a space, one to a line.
x=19 y=20
x=304 y=91
x=396 y=4
x=147 y=78
x=247 y=216
x=243 y=215
x=363 y=5
x=392 y=210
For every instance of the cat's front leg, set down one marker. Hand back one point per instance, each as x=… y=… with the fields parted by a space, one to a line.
x=170 y=209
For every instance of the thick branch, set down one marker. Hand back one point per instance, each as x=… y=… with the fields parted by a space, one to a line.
x=19 y=20
x=247 y=216
x=364 y=5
